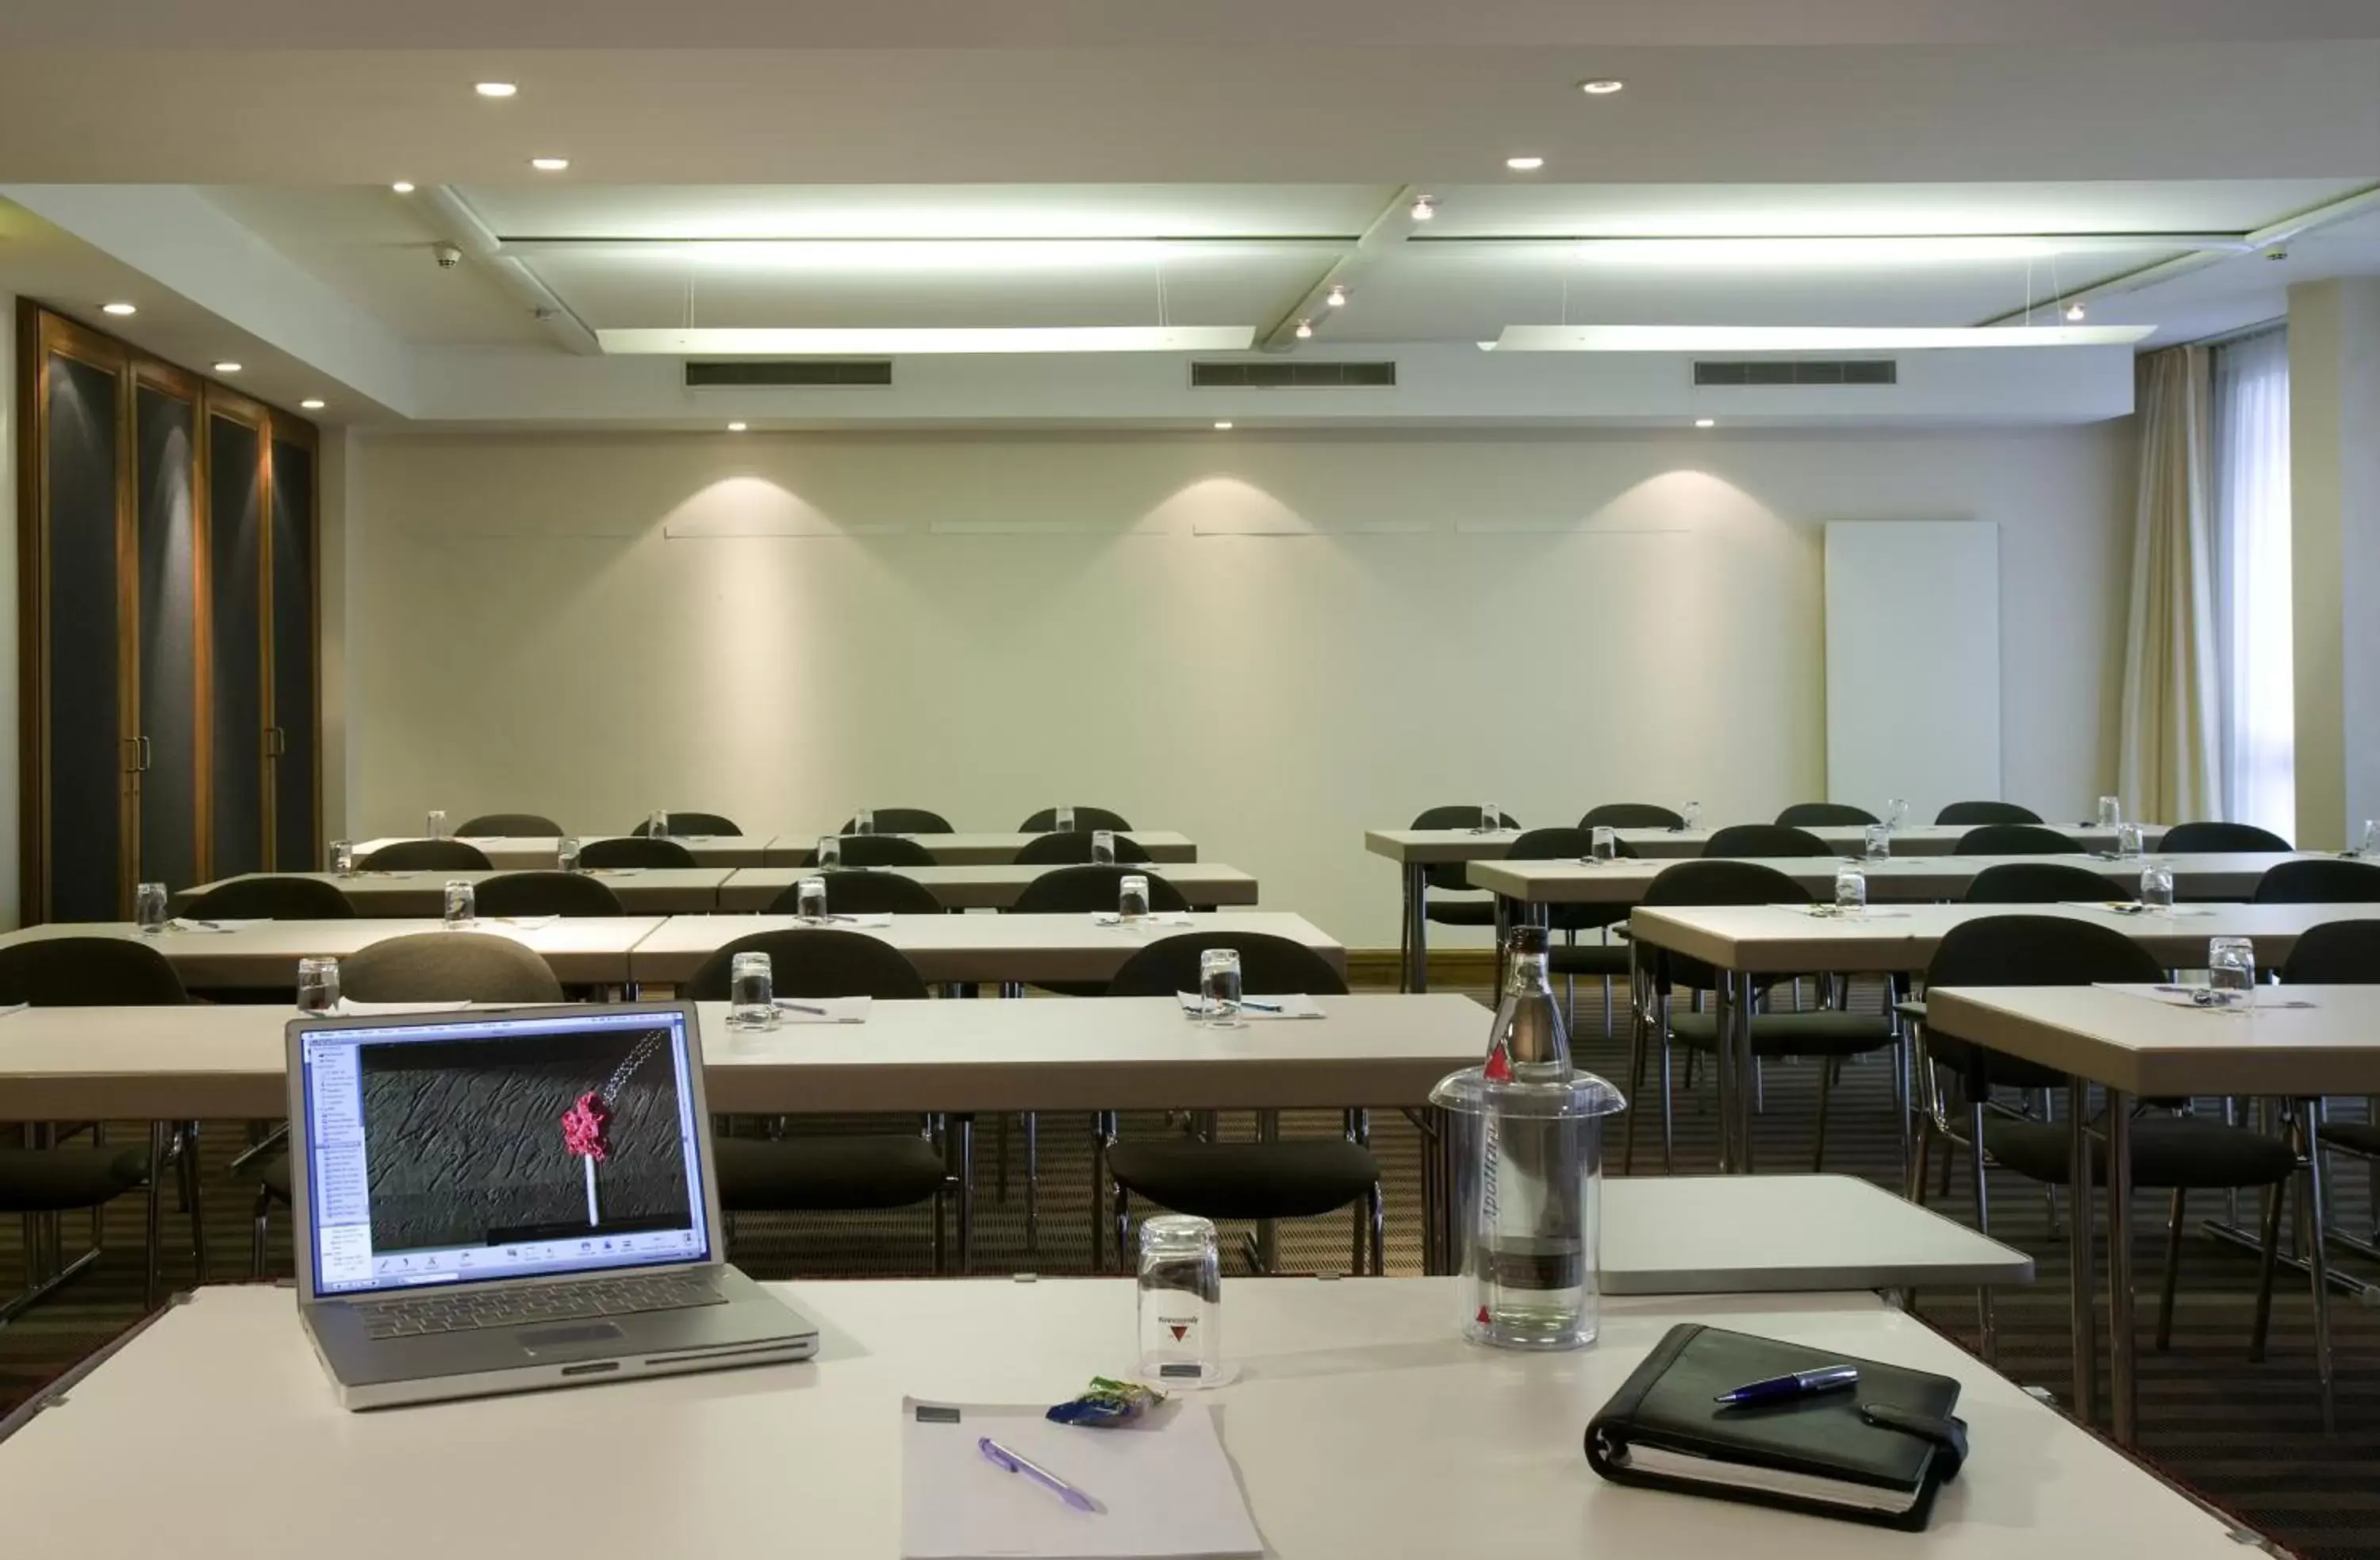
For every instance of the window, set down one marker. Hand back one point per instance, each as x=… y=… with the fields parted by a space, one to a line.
x=2251 y=581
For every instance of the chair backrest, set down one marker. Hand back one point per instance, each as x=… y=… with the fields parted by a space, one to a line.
x=1084 y=888
x=1269 y=964
x=1713 y=882
x=2037 y=883
x=1824 y=814
x=2337 y=953
x=1085 y=819
x=2319 y=881
x=816 y=961
x=863 y=894
x=635 y=851
x=1765 y=839
x=545 y=894
x=448 y=966
x=691 y=823
x=1969 y=814
x=1559 y=845
x=426 y=856
x=1058 y=850
x=272 y=898
x=1631 y=815
x=1459 y=816
x=89 y=972
x=880 y=850
x=2021 y=950
x=2016 y=839
x=904 y=821
x=2189 y=839
x=511 y=825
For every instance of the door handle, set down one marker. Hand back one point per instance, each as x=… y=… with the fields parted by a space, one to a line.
x=147 y=752
x=131 y=755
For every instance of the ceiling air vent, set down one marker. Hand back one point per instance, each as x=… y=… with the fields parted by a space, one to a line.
x=1770 y=370
x=770 y=373
x=1276 y=374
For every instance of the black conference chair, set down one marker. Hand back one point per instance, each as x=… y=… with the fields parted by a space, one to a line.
x=633 y=850
x=545 y=894
x=838 y=1172
x=2319 y=881
x=1082 y=889
x=903 y=821
x=2037 y=883
x=1069 y=849
x=44 y=1180
x=880 y=851
x=1085 y=819
x=272 y=898
x=511 y=825
x=427 y=856
x=691 y=823
x=2189 y=839
x=1754 y=840
x=1571 y=958
x=1263 y=1180
x=1448 y=877
x=1826 y=814
x=1826 y=1035
x=2344 y=953
x=863 y=894
x=2016 y=839
x=2180 y=1153
x=1973 y=814
x=1631 y=815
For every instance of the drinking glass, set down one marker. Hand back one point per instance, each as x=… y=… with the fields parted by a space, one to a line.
x=1491 y=819
x=2368 y=842
x=1180 y=1301
x=2157 y=886
x=1850 y=890
x=1063 y=821
x=436 y=828
x=565 y=853
x=461 y=903
x=1876 y=843
x=809 y=898
x=1218 y=989
x=829 y=852
x=1693 y=815
x=750 y=1003
x=1896 y=813
x=317 y=985
x=863 y=821
x=657 y=823
x=1103 y=846
x=1132 y=896
x=2231 y=969
x=2111 y=812
x=343 y=857
x=1603 y=844
x=2128 y=842
x=149 y=907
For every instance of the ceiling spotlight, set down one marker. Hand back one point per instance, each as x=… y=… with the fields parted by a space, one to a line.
x=119 y=309
x=1602 y=86
x=227 y=367
x=403 y=186
x=1706 y=422
x=2075 y=312
x=311 y=403
x=494 y=88
x=1304 y=330
x=549 y=165
x=1337 y=299
x=1524 y=165
x=737 y=427
x=1425 y=207
x=1222 y=428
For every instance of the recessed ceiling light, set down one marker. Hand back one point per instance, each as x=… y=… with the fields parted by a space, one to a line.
x=1602 y=86
x=549 y=165
x=227 y=367
x=1807 y=338
x=1304 y=330
x=1524 y=165
x=2075 y=312
x=1337 y=297
x=495 y=88
x=1425 y=207
x=1706 y=422
x=120 y=309
x=403 y=186
x=1222 y=428
x=311 y=403
x=737 y=427
x=759 y=341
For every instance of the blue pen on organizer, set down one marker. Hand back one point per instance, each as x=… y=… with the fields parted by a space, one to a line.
x=1801 y=1383
x=1015 y=1462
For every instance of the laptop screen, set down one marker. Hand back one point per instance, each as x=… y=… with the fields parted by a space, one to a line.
x=489 y=1148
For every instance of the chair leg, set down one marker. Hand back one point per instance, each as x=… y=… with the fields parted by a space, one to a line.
x=963 y=1126
x=1032 y=1184
x=1122 y=1225
x=2314 y=1215
x=261 y=1227
x=1668 y=1102
x=1380 y=1232
x=999 y=1158
x=2271 y=1260
x=1827 y=1071
x=160 y=1136
x=1637 y=1039
x=189 y=1151
x=2172 y=1270
x=1987 y=1323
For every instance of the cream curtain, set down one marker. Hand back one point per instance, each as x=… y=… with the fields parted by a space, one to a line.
x=2168 y=768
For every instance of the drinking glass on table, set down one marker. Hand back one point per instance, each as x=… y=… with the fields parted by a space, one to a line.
x=2367 y=842
x=2231 y=969
x=461 y=903
x=863 y=821
x=1180 y=1301
x=829 y=852
x=1062 y=819
x=1132 y=896
x=1850 y=890
x=2128 y=842
x=751 y=1004
x=657 y=823
x=1491 y=819
x=149 y=907
x=1103 y=846
x=1693 y=814
x=809 y=898
x=565 y=853
x=436 y=827
x=2157 y=886
x=1876 y=843
x=317 y=985
x=1605 y=842
x=2111 y=812
x=343 y=857
x=1896 y=813
x=1218 y=989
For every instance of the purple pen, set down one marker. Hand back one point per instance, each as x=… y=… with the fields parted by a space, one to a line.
x=1001 y=1456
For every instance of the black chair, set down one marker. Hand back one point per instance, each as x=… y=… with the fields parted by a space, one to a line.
x=691 y=823
x=2198 y=839
x=545 y=894
x=1753 y=840
x=2319 y=881
x=2180 y=1153
x=1080 y=889
x=879 y=850
x=1972 y=815
x=1826 y=814
x=1069 y=849
x=1828 y=1035
x=511 y=825
x=2344 y=953
x=270 y=898
x=865 y=894
x=1631 y=815
x=44 y=1180
x=839 y=1172
x=1263 y=1180
x=2037 y=883
x=2016 y=839
x=1571 y=958
x=1448 y=877
x=903 y=821
x=427 y=856
x=633 y=850
x=1085 y=819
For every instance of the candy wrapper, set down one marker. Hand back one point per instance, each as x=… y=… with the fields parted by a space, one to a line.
x=1107 y=1403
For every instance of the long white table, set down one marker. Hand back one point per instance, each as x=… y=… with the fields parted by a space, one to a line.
x=1672 y=1234
x=1361 y=1424
x=524 y=853
x=1903 y=879
x=581 y=950
x=994 y=885
x=984 y=849
x=666 y=891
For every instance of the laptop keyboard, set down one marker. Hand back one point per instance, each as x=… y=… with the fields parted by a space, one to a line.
x=418 y=1315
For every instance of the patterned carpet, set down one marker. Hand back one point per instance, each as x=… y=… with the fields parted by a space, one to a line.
x=2247 y=1437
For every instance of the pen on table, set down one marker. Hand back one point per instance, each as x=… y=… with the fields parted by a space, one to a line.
x=801 y=1007
x=1252 y=1002
x=1801 y=1383
x=1001 y=1456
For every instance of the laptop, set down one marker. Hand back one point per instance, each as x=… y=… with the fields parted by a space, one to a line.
x=501 y=1201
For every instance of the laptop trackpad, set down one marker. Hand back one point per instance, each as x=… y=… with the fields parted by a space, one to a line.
x=553 y=1340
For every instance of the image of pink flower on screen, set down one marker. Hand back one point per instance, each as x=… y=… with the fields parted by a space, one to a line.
x=582 y=1127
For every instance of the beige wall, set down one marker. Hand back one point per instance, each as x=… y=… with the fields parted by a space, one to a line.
x=11 y=757
x=985 y=626
x=2334 y=554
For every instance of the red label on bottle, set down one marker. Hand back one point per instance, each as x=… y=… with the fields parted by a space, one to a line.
x=1483 y=1316
x=1500 y=1066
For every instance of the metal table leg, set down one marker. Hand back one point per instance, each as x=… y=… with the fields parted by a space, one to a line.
x=2080 y=1223
x=1416 y=927
x=1732 y=1065
x=2123 y=1388
x=2313 y=1208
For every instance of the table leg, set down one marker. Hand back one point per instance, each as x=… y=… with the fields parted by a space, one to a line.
x=1416 y=927
x=2123 y=1389
x=2314 y=1207
x=1730 y=1068
x=2080 y=1222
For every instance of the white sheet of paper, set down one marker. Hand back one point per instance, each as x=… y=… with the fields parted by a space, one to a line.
x=350 y=1008
x=1274 y=1005
x=829 y=1009
x=1829 y=913
x=525 y=923
x=864 y=922
x=12 y=1009
x=2134 y=907
x=1164 y=1488
x=182 y=923
x=1160 y=918
x=2180 y=997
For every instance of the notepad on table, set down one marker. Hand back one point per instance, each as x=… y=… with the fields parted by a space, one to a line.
x=876 y=919
x=350 y=1008
x=822 y=1009
x=1160 y=918
x=1267 y=1004
x=182 y=923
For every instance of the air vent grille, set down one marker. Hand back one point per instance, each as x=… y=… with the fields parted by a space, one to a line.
x=1277 y=374
x=1770 y=370
x=765 y=373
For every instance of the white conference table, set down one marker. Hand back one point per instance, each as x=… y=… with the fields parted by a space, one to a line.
x=1361 y=1423
x=581 y=950
x=523 y=853
x=982 y=850
x=661 y=890
x=1677 y=1235
x=2136 y=1047
x=993 y=885
x=1900 y=880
